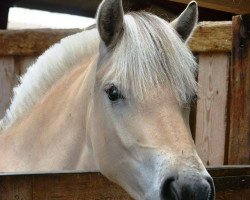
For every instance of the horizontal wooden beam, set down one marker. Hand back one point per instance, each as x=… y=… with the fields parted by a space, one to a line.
x=212 y=37
x=30 y=42
x=232 y=6
x=208 y=37
x=232 y=182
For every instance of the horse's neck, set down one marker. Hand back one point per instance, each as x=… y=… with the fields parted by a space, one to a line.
x=52 y=136
x=49 y=68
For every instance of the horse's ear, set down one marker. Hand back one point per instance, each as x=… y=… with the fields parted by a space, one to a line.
x=186 y=22
x=110 y=20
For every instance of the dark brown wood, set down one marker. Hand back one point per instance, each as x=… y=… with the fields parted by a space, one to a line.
x=233 y=6
x=229 y=170
x=88 y=8
x=69 y=186
x=238 y=140
x=231 y=182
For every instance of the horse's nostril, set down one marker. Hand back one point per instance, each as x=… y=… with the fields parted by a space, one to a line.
x=167 y=189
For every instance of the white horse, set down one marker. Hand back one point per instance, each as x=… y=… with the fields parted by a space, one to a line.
x=112 y=99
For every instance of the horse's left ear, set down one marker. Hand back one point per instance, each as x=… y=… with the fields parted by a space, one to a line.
x=186 y=22
x=110 y=20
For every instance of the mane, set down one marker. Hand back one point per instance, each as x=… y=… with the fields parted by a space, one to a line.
x=150 y=54
x=48 y=69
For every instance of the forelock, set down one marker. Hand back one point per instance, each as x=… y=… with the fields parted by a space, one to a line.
x=150 y=54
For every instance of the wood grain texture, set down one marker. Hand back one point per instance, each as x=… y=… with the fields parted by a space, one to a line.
x=243 y=194
x=211 y=108
x=239 y=94
x=30 y=42
x=8 y=77
x=232 y=6
x=72 y=186
x=212 y=37
x=24 y=62
x=230 y=183
x=209 y=36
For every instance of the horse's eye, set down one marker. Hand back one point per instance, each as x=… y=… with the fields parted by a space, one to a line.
x=113 y=93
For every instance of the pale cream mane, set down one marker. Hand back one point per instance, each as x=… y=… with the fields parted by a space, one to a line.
x=48 y=69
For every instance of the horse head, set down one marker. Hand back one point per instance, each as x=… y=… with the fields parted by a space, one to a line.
x=145 y=79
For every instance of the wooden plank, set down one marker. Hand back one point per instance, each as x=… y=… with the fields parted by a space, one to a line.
x=24 y=62
x=30 y=42
x=20 y=190
x=233 y=195
x=211 y=108
x=209 y=36
x=71 y=185
x=239 y=94
x=8 y=76
x=232 y=6
x=229 y=170
x=231 y=182
x=212 y=37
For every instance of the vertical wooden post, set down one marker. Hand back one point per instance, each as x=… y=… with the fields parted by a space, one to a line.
x=7 y=80
x=238 y=143
x=211 y=107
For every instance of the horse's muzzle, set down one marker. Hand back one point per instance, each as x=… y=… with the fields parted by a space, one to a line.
x=199 y=188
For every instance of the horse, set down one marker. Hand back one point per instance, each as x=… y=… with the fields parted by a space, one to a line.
x=114 y=99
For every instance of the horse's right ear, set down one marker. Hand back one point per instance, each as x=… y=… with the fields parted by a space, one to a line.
x=110 y=20
x=186 y=22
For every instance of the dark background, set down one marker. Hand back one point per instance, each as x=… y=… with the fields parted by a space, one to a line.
x=164 y=8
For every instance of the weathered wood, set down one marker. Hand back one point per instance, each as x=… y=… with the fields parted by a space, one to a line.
x=23 y=62
x=233 y=6
x=71 y=186
x=233 y=195
x=212 y=37
x=211 y=108
x=239 y=94
x=229 y=181
x=232 y=182
x=8 y=76
x=30 y=42
x=209 y=36
x=229 y=170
